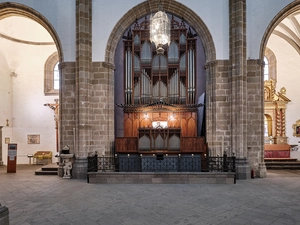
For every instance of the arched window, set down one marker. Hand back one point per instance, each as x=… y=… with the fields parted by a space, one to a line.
x=266 y=69
x=56 y=77
x=51 y=77
x=270 y=68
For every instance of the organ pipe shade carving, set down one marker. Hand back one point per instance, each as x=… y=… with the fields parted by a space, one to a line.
x=151 y=77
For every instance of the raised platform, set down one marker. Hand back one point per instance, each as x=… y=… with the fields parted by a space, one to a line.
x=282 y=163
x=277 y=151
x=49 y=169
x=160 y=178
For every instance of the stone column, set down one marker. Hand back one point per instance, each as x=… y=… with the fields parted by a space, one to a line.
x=218 y=108
x=103 y=108
x=238 y=84
x=83 y=87
x=211 y=119
x=255 y=128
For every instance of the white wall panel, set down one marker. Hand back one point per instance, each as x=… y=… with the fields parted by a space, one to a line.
x=62 y=16
x=259 y=15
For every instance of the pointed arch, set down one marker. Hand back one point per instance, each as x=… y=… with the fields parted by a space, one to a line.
x=285 y=12
x=170 y=6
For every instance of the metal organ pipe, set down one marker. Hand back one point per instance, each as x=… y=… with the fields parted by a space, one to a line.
x=191 y=77
x=128 y=69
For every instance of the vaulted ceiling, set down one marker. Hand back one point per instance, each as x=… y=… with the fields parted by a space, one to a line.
x=289 y=30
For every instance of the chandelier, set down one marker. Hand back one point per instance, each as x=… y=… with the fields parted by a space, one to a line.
x=160 y=30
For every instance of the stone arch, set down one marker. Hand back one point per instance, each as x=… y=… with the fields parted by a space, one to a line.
x=286 y=11
x=170 y=6
x=14 y=9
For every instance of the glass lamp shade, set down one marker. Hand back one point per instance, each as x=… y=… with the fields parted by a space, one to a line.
x=160 y=29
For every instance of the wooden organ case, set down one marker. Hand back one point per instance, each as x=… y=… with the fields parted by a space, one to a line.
x=160 y=114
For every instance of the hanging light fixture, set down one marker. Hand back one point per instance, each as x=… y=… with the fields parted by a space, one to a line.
x=160 y=30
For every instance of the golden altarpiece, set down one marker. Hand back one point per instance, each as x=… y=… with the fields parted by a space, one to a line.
x=275 y=124
x=160 y=110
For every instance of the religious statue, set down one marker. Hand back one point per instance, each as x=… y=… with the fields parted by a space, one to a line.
x=67 y=169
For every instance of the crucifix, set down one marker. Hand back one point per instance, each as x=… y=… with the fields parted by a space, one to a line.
x=55 y=108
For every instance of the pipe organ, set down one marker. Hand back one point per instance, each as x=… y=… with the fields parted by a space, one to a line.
x=159 y=87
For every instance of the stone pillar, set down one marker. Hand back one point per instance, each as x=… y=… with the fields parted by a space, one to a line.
x=103 y=108
x=67 y=110
x=211 y=119
x=83 y=87
x=255 y=128
x=238 y=84
x=218 y=108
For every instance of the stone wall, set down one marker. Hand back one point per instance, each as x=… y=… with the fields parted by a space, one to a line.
x=255 y=113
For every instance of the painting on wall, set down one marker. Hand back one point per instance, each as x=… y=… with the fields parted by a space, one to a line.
x=33 y=138
x=296 y=128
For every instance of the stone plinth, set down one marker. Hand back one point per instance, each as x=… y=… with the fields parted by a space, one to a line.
x=161 y=178
x=4 y=215
x=243 y=171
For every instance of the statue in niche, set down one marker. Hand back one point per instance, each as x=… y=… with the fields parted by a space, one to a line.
x=266 y=94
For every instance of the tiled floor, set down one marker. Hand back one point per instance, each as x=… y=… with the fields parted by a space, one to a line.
x=51 y=200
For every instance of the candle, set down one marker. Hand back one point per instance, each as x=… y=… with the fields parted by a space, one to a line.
x=222 y=145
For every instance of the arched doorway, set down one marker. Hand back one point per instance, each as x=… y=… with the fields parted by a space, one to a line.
x=27 y=41
x=280 y=45
x=178 y=10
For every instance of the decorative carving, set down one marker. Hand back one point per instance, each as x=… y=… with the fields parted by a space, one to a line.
x=275 y=106
x=159 y=106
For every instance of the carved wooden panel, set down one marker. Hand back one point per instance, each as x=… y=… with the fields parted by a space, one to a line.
x=193 y=145
x=126 y=145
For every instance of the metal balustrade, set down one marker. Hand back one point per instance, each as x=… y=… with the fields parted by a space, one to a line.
x=161 y=163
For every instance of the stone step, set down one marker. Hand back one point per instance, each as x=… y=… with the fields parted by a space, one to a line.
x=42 y=172
x=283 y=163
x=49 y=169
x=285 y=167
x=293 y=165
x=280 y=160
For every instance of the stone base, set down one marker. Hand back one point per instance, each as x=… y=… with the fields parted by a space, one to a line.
x=4 y=215
x=280 y=140
x=262 y=171
x=79 y=170
x=243 y=170
x=61 y=170
x=160 y=178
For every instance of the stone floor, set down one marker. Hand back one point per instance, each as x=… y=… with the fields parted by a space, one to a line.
x=51 y=200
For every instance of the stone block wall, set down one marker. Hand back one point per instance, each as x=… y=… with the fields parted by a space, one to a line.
x=67 y=101
x=255 y=114
x=103 y=108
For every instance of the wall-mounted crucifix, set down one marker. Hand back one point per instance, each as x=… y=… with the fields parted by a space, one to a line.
x=55 y=108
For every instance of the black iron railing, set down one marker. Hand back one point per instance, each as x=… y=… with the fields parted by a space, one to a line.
x=161 y=163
